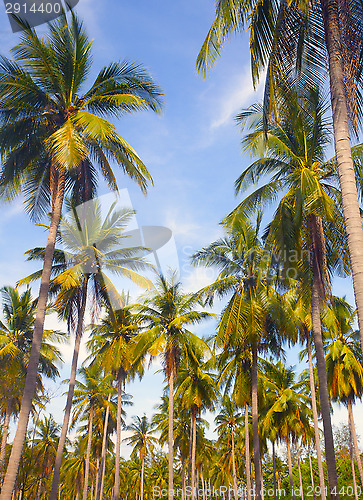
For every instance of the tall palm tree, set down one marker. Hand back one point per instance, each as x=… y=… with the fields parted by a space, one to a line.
x=112 y=349
x=344 y=364
x=143 y=442
x=254 y=309
x=88 y=396
x=308 y=215
x=16 y=334
x=54 y=136
x=228 y=420
x=93 y=244
x=167 y=313
x=295 y=37
x=196 y=389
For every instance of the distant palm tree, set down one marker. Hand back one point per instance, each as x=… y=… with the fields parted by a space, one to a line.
x=54 y=136
x=166 y=314
x=143 y=442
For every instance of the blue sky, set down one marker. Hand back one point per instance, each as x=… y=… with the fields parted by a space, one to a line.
x=192 y=150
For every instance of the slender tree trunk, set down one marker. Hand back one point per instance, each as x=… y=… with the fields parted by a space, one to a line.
x=88 y=455
x=194 y=424
x=170 y=433
x=31 y=376
x=4 y=438
x=352 y=461
x=312 y=476
x=355 y=440
x=352 y=216
x=274 y=468
x=256 y=441
x=72 y=381
x=299 y=468
x=183 y=475
x=289 y=461
x=234 y=467
x=315 y=419
x=247 y=454
x=39 y=491
x=142 y=478
x=190 y=450
x=116 y=491
x=96 y=482
x=99 y=491
x=318 y=249
x=202 y=480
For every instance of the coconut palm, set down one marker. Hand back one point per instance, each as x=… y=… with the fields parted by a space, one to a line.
x=93 y=244
x=344 y=363
x=251 y=315
x=111 y=349
x=304 y=39
x=16 y=334
x=308 y=218
x=54 y=136
x=143 y=442
x=166 y=313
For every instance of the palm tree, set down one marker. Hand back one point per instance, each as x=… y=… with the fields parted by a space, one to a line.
x=54 y=135
x=298 y=38
x=250 y=316
x=166 y=314
x=344 y=364
x=16 y=334
x=308 y=214
x=196 y=390
x=88 y=396
x=228 y=420
x=93 y=244
x=143 y=442
x=111 y=349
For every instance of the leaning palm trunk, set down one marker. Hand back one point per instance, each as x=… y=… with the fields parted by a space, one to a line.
x=170 y=433
x=256 y=441
x=316 y=423
x=4 y=438
x=299 y=468
x=347 y=179
x=88 y=455
x=355 y=440
x=247 y=454
x=72 y=381
x=194 y=447
x=99 y=487
x=31 y=376
x=289 y=461
x=352 y=462
x=318 y=250
x=116 y=491
x=234 y=467
x=312 y=476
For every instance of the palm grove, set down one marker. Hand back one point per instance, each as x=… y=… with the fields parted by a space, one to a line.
x=273 y=281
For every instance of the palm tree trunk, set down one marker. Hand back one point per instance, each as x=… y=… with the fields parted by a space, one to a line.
x=96 y=482
x=170 y=433
x=347 y=179
x=318 y=249
x=194 y=425
x=247 y=454
x=31 y=376
x=234 y=467
x=72 y=381
x=289 y=461
x=355 y=440
x=4 y=438
x=190 y=450
x=312 y=476
x=202 y=480
x=183 y=475
x=256 y=441
x=88 y=455
x=299 y=468
x=142 y=478
x=315 y=419
x=116 y=491
x=352 y=462
x=99 y=492
x=274 y=468
x=39 y=491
